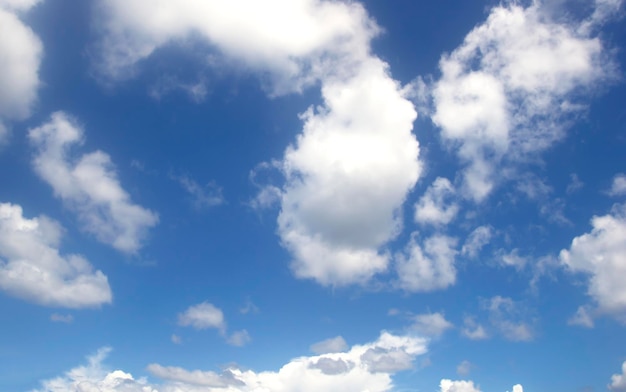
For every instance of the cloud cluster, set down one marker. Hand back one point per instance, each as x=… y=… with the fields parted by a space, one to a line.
x=32 y=268
x=510 y=89
x=364 y=367
x=618 y=381
x=437 y=205
x=21 y=52
x=600 y=254
x=349 y=171
x=88 y=185
x=206 y=315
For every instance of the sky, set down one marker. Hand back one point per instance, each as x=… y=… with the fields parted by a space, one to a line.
x=312 y=195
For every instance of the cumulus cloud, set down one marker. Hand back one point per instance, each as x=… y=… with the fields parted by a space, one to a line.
x=618 y=381
x=364 y=367
x=239 y=338
x=600 y=254
x=203 y=316
x=332 y=345
x=477 y=239
x=32 y=268
x=88 y=185
x=428 y=267
x=21 y=52
x=436 y=206
x=618 y=187
x=431 y=324
x=349 y=171
x=510 y=89
x=457 y=386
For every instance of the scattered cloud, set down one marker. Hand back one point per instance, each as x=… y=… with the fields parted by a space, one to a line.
x=176 y=339
x=618 y=381
x=363 y=367
x=436 y=206
x=88 y=185
x=62 y=318
x=203 y=316
x=583 y=317
x=428 y=267
x=249 y=308
x=239 y=338
x=508 y=317
x=511 y=89
x=332 y=345
x=476 y=241
x=32 y=268
x=464 y=368
x=202 y=197
x=473 y=330
x=618 y=187
x=575 y=184
x=600 y=254
x=21 y=52
x=431 y=324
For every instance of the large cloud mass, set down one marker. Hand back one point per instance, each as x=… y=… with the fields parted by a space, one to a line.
x=89 y=185
x=348 y=173
x=32 y=268
x=365 y=367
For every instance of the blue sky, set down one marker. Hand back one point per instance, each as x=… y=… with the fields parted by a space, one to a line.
x=312 y=195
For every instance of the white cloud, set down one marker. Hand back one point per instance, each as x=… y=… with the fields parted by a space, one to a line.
x=583 y=317
x=506 y=93
x=20 y=55
x=89 y=185
x=61 y=318
x=348 y=173
x=457 y=386
x=436 y=206
x=202 y=197
x=32 y=268
x=431 y=324
x=600 y=254
x=473 y=330
x=512 y=259
x=239 y=338
x=508 y=317
x=618 y=381
x=366 y=367
x=176 y=339
x=332 y=345
x=575 y=184
x=427 y=268
x=464 y=368
x=476 y=241
x=618 y=187
x=203 y=316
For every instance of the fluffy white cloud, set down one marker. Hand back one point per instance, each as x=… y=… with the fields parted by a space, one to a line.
x=203 y=316
x=32 y=268
x=293 y=40
x=431 y=324
x=457 y=386
x=600 y=254
x=347 y=177
x=239 y=338
x=618 y=381
x=618 y=187
x=89 y=185
x=506 y=91
x=332 y=345
x=20 y=55
x=348 y=173
x=436 y=206
x=427 y=268
x=366 y=367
